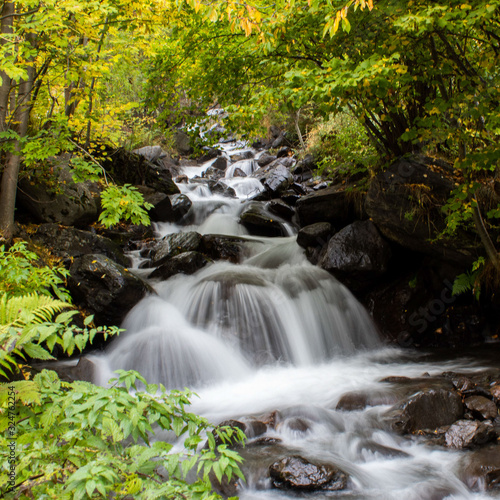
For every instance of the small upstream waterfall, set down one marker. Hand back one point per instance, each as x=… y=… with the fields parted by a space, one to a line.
x=276 y=333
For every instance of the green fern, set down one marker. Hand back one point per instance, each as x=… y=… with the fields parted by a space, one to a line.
x=469 y=281
x=32 y=308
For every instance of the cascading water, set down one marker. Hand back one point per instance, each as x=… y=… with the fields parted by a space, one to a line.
x=277 y=333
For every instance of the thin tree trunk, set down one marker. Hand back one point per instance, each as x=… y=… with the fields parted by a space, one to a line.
x=491 y=251
x=10 y=175
x=6 y=29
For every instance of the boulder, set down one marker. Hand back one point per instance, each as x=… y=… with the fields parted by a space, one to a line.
x=174 y=244
x=220 y=163
x=481 y=469
x=357 y=255
x=332 y=205
x=265 y=159
x=181 y=204
x=222 y=188
x=243 y=155
x=284 y=151
x=209 y=154
x=239 y=173
x=276 y=180
x=259 y=221
x=469 y=433
x=58 y=198
x=481 y=407
x=185 y=263
x=315 y=235
x=427 y=409
x=405 y=203
x=68 y=242
x=128 y=168
x=104 y=288
x=182 y=143
x=151 y=153
x=281 y=208
x=297 y=473
x=222 y=247
x=162 y=210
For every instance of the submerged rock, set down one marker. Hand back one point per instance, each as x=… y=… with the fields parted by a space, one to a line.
x=297 y=473
x=481 y=469
x=105 y=289
x=222 y=247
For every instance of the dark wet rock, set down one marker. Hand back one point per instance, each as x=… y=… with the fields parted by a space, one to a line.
x=357 y=255
x=174 y=244
x=464 y=385
x=315 y=235
x=297 y=473
x=306 y=164
x=290 y=197
x=405 y=204
x=129 y=168
x=221 y=247
x=321 y=185
x=209 y=154
x=68 y=242
x=275 y=177
x=265 y=159
x=480 y=469
x=181 y=204
x=259 y=221
x=185 y=263
x=162 y=210
x=254 y=428
x=265 y=441
x=182 y=143
x=220 y=163
x=427 y=409
x=222 y=188
x=182 y=179
x=239 y=173
x=281 y=208
x=481 y=407
x=332 y=205
x=359 y=400
x=104 y=288
x=469 y=433
x=372 y=448
x=243 y=155
x=85 y=370
x=130 y=236
x=270 y=419
x=59 y=200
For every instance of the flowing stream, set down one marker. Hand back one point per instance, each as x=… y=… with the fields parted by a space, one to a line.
x=277 y=333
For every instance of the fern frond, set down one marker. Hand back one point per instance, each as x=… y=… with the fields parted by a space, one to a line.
x=32 y=308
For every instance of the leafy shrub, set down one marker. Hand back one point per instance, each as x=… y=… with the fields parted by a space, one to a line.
x=123 y=203
x=341 y=146
x=20 y=275
x=79 y=441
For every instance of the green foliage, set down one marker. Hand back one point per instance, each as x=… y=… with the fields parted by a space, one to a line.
x=79 y=441
x=470 y=281
x=28 y=328
x=341 y=146
x=20 y=275
x=123 y=203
